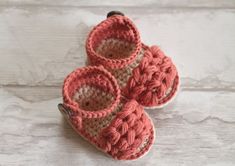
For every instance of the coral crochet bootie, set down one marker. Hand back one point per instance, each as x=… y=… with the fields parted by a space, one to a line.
x=144 y=73
x=93 y=106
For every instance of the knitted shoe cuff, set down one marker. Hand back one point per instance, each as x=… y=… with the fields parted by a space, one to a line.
x=114 y=27
x=93 y=75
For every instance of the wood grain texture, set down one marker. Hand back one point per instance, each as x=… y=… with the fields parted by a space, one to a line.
x=129 y=3
x=41 y=42
x=196 y=129
x=39 y=47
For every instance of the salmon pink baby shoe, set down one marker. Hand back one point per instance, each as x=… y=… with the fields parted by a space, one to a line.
x=93 y=106
x=144 y=73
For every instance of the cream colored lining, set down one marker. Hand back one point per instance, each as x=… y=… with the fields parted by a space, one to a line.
x=119 y=49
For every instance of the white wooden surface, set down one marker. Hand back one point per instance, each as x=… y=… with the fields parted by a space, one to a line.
x=42 y=41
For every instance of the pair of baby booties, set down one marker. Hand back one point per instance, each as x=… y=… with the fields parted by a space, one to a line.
x=104 y=102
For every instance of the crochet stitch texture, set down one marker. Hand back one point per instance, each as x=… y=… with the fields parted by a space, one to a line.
x=144 y=73
x=94 y=107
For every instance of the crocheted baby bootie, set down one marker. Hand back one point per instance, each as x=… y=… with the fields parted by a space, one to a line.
x=144 y=73
x=93 y=106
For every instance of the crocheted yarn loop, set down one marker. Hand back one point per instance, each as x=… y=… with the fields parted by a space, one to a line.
x=94 y=76
x=126 y=132
x=152 y=78
x=114 y=27
x=77 y=122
